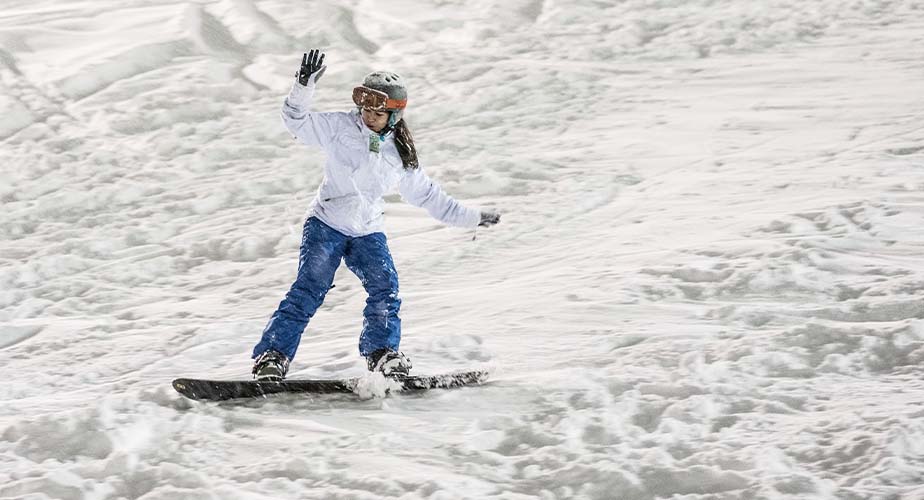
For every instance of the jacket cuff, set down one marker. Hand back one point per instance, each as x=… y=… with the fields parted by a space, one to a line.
x=474 y=218
x=301 y=94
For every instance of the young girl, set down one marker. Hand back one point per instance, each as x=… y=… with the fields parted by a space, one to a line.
x=370 y=153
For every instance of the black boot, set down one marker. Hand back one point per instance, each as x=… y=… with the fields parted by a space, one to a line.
x=390 y=363
x=271 y=366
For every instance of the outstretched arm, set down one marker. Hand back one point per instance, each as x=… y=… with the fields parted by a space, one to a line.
x=308 y=127
x=420 y=190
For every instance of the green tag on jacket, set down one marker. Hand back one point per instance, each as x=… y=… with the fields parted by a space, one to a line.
x=374 y=143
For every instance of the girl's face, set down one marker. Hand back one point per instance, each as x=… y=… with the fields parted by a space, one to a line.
x=375 y=120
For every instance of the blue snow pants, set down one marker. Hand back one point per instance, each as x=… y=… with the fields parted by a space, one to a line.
x=321 y=251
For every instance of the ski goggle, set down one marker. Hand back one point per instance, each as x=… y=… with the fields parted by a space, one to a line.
x=376 y=100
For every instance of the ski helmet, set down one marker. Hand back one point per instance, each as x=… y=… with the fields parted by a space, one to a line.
x=382 y=91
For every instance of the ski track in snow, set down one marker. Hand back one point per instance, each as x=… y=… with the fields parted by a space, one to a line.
x=707 y=284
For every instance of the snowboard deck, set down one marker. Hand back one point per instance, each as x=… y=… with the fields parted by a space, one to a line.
x=221 y=390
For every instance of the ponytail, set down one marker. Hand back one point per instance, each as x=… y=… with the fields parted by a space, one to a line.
x=405 y=144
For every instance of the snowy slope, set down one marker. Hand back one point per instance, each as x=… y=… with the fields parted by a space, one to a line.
x=708 y=282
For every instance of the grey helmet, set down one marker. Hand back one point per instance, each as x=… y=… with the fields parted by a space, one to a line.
x=393 y=85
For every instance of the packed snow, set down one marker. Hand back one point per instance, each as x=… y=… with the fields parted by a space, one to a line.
x=708 y=281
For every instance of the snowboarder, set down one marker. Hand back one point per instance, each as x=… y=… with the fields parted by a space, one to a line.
x=370 y=153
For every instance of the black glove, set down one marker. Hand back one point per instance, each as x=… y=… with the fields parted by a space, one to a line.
x=312 y=67
x=489 y=219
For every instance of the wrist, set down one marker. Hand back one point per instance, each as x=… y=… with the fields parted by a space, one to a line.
x=300 y=91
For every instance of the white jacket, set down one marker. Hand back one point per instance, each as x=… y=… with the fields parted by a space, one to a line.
x=355 y=178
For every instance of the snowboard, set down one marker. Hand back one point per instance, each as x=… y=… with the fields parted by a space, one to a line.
x=221 y=390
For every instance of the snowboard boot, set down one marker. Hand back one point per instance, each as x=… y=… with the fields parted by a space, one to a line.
x=271 y=366
x=390 y=363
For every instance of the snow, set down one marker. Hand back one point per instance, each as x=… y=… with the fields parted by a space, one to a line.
x=707 y=282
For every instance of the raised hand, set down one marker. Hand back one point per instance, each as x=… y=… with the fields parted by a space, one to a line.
x=312 y=67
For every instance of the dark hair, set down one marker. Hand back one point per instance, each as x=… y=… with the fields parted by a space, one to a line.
x=405 y=144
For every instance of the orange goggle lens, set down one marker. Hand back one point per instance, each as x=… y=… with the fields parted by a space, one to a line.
x=376 y=100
